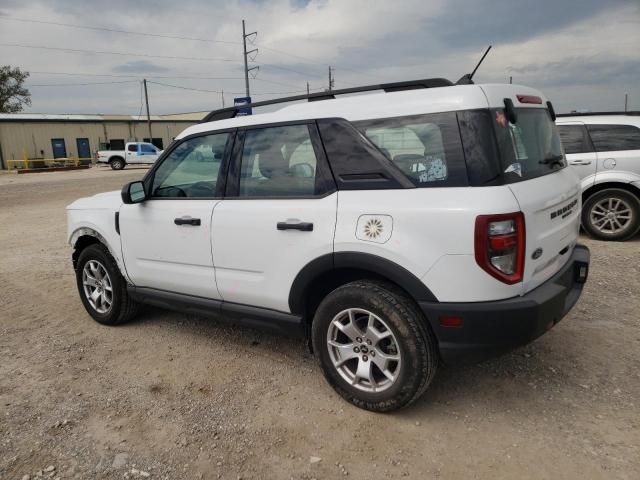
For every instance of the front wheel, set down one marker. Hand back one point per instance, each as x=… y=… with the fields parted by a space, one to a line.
x=117 y=164
x=611 y=214
x=374 y=346
x=102 y=288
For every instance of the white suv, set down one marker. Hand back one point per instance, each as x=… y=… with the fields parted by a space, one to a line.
x=426 y=222
x=604 y=149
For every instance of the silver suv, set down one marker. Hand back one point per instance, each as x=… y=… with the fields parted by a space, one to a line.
x=604 y=150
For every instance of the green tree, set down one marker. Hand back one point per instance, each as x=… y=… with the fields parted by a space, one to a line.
x=13 y=95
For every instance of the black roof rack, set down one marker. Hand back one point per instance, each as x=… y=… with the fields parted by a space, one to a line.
x=231 y=112
x=588 y=114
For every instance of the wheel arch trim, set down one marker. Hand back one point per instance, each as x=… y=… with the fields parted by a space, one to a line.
x=91 y=232
x=367 y=262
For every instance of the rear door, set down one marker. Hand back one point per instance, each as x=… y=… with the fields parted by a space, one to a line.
x=547 y=191
x=618 y=148
x=279 y=214
x=581 y=155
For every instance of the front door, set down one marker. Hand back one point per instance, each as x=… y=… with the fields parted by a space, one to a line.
x=59 y=148
x=166 y=240
x=84 y=150
x=581 y=155
x=279 y=215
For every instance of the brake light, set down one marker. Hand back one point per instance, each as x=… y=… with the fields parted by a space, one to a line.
x=500 y=245
x=529 y=99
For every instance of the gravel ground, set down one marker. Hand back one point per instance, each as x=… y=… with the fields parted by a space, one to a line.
x=170 y=396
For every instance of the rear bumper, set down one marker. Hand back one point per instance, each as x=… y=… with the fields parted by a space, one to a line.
x=491 y=328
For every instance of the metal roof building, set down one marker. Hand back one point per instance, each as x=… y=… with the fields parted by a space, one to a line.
x=39 y=136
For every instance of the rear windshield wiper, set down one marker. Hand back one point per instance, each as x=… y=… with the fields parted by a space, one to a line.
x=553 y=160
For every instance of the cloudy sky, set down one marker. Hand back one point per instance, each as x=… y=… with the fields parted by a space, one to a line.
x=584 y=54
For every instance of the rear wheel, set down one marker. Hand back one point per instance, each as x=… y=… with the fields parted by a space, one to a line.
x=117 y=164
x=611 y=214
x=374 y=346
x=102 y=288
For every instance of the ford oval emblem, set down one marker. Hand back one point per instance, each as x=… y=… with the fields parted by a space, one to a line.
x=537 y=253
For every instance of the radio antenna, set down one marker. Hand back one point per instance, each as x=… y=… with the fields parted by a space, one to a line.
x=467 y=79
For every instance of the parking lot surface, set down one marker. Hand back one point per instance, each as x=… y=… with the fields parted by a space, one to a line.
x=171 y=396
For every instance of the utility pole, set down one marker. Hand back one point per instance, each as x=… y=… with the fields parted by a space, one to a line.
x=331 y=79
x=246 y=35
x=222 y=97
x=510 y=79
x=626 y=98
x=146 y=99
x=307 y=89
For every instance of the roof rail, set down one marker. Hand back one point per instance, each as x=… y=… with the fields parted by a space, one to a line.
x=231 y=112
x=589 y=114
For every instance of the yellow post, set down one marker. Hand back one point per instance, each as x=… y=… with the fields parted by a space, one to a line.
x=25 y=158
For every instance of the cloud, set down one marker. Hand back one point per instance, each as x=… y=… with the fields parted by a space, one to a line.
x=578 y=52
x=140 y=66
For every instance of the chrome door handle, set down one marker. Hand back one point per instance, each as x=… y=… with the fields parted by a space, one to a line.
x=580 y=162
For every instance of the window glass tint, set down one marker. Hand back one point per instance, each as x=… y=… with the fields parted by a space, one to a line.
x=279 y=162
x=426 y=148
x=132 y=148
x=531 y=147
x=480 y=150
x=191 y=169
x=147 y=148
x=610 y=138
x=574 y=138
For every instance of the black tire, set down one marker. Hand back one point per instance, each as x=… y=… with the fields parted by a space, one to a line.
x=417 y=344
x=117 y=163
x=592 y=207
x=123 y=308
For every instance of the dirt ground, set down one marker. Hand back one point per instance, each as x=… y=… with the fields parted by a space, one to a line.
x=171 y=397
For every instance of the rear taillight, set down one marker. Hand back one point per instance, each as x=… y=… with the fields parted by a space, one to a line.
x=500 y=244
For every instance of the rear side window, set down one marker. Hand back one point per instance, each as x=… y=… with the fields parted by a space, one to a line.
x=529 y=148
x=132 y=148
x=575 y=139
x=611 y=138
x=144 y=148
x=426 y=148
x=280 y=162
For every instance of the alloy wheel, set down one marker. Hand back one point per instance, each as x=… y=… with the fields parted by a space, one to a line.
x=611 y=215
x=97 y=286
x=364 y=350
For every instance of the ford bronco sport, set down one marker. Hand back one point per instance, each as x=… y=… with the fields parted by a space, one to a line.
x=425 y=222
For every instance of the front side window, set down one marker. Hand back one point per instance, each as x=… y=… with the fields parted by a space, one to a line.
x=575 y=139
x=612 y=138
x=191 y=169
x=427 y=148
x=279 y=162
x=529 y=148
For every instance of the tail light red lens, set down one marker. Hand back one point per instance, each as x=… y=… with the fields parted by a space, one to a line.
x=500 y=246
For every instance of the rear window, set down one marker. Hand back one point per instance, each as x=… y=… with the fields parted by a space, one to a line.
x=426 y=148
x=529 y=148
x=612 y=138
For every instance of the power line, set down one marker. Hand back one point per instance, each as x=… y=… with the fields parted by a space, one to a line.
x=173 y=37
x=181 y=77
x=104 y=29
x=78 y=84
x=77 y=50
x=220 y=91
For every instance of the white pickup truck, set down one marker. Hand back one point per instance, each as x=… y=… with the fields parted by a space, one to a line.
x=133 y=153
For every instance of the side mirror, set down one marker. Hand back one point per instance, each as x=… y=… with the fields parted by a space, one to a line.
x=133 y=193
